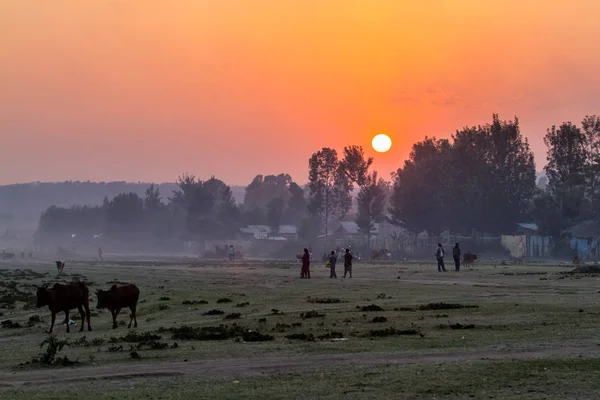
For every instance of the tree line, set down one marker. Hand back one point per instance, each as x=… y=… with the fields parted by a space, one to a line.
x=481 y=179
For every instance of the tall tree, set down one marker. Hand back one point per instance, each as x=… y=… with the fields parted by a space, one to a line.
x=200 y=219
x=329 y=195
x=591 y=129
x=546 y=214
x=354 y=166
x=418 y=197
x=470 y=180
x=152 y=200
x=371 y=203
x=125 y=213
x=511 y=169
x=296 y=205
x=566 y=169
x=207 y=209
x=275 y=214
x=484 y=180
x=263 y=189
x=63 y=222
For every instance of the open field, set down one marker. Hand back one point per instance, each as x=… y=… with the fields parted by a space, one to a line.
x=255 y=329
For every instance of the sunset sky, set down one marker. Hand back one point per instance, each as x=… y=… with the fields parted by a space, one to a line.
x=145 y=90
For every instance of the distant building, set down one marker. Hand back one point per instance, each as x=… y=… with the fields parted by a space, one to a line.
x=383 y=235
x=583 y=240
x=536 y=245
x=263 y=232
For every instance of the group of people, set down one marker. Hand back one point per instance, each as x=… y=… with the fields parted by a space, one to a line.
x=331 y=263
x=440 y=253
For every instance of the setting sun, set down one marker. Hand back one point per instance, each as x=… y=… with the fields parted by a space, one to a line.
x=381 y=143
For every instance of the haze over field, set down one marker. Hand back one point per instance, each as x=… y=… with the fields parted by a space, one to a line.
x=143 y=91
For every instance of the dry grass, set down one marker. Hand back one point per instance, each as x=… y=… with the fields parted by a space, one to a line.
x=488 y=309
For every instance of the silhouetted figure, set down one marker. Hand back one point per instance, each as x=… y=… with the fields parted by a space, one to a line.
x=439 y=254
x=456 y=256
x=332 y=262
x=100 y=253
x=305 y=272
x=348 y=263
x=231 y=253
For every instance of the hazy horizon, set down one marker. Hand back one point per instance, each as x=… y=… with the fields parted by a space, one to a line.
x=145 y=91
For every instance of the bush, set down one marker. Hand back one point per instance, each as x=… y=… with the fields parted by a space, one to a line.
x=301 y=336
x=379 y=320
x=48 y=356
x=311 y=314
x=372 y=307
x=444 y=306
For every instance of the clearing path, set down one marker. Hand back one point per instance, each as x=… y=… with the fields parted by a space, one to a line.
x=257 y=366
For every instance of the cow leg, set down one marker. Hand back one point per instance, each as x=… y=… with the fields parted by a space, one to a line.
x=67 y=318
x=135 y=316
x=86 y=306
x=114 y=317
x=53 y=320
x=82 y=313
x=116 y=314
x=132 y=317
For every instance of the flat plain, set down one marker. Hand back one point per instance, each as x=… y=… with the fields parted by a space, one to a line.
x=254 y=329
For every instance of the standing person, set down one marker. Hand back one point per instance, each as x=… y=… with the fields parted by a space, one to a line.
x=439 y=254
x=332 y=261
x=100 y=253
x=456 y=256
x=230 y=253
x=305 y=272
x=310 y=251
x=348 y=263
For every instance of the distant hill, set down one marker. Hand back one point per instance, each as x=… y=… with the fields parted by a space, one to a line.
x=27 y=201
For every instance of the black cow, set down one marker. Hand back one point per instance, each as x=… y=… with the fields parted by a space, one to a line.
x=118 y=297
x=64 y=298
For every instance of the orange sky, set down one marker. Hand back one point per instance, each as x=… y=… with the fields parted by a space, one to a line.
x=147 y=90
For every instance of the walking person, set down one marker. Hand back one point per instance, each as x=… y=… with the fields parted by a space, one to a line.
x=439 y=254
x=348 y=263
x=332 y=261
x=456 y=256
x=305 y=272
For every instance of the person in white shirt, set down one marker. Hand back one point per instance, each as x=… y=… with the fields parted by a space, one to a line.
x=439 y=254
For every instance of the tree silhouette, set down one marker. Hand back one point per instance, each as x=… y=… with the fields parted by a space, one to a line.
x=371 y=203
x=329 y=191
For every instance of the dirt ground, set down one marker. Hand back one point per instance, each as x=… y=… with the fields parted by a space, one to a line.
x=518 y=313
x=241 y=367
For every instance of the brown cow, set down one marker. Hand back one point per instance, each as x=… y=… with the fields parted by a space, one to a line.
x=64 y=298
x=469 y=258
x=119 y=297
x=60 y=265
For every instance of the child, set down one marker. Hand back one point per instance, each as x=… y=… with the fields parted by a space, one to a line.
x=332 y=261
x=348 y=263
